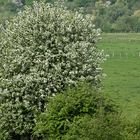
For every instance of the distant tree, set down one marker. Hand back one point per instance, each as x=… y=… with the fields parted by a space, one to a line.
x=19 y=2
x=116 y=17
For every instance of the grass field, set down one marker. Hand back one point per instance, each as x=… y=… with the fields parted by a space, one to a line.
x=123 y=71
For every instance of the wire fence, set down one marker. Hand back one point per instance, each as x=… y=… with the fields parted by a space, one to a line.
x=123 y=54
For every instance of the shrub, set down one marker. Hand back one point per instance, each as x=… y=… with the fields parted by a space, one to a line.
x=80 y=114
x=43 y=50
x=100 y=127
x=132 y=129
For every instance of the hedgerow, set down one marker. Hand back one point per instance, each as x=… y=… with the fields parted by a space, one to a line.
x=80 y=113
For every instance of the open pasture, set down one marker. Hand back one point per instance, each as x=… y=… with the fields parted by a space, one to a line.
x=123 y=71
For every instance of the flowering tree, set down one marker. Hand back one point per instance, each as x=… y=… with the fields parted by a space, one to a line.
x=43 y=50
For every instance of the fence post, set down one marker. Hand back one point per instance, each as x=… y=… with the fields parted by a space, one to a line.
x=113 y=54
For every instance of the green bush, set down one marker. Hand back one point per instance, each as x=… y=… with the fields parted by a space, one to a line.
x=43 y=50
x=80 y=114
x=132 y=129
x=100 y=127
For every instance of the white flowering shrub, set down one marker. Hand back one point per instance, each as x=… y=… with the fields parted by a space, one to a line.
x=43 y=49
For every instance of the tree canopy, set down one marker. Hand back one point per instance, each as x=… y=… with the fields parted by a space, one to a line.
x=43 y=53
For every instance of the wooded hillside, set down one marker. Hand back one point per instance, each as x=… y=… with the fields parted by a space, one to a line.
x=110 y=16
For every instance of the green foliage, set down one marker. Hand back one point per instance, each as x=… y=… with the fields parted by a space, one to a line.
x=29 y=2
x=80 y=113
x=83 y=3
x=101 y=127
x=7 y=9
x=110 y=14
x=41 y=54
x=116 y=17
x=132 y=129
x=127 y=24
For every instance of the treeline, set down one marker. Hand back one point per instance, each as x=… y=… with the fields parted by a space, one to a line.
x=110 y=16
x=113 y=15
x=122 y=16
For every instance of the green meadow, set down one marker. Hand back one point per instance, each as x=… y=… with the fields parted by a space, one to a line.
x=122 y=68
